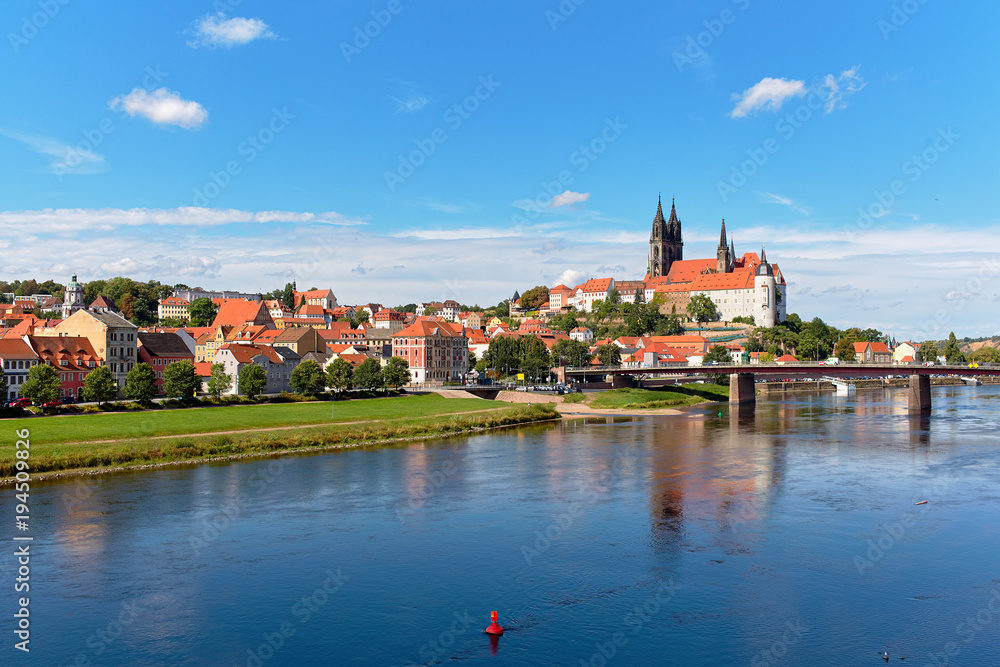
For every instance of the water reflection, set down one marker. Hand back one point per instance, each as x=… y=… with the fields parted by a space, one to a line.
x=756 y=517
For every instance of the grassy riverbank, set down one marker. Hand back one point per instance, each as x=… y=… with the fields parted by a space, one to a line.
x=128 y=440
x=659 y=397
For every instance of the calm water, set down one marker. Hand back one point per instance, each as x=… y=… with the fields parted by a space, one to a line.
x=788 y=538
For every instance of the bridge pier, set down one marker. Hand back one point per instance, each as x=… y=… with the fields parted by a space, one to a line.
x=741 y=389
x=920 y=393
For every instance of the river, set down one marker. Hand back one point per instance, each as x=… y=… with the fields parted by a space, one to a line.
x=787 y=537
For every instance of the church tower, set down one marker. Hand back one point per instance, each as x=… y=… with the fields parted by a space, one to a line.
x=724 y=255
x=665 y=243
x=73 y=298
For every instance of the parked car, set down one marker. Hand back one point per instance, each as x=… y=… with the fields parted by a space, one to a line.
x=68 y=400
x=52 y=404
x=19 y=403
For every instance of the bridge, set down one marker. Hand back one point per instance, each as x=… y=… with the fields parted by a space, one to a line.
x=743 y=377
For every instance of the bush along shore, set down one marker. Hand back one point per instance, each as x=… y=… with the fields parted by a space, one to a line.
x=80 y=458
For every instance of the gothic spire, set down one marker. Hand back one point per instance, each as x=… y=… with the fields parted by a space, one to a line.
x=763 y=256
x=732 y=248
x=722 y=237
x=673 y=225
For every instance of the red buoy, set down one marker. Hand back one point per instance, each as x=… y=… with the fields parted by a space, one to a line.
x=494 y=628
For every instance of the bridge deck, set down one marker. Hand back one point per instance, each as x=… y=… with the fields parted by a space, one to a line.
x=791 y=371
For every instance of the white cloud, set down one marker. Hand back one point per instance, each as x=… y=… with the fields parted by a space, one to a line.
x=836 y=88
x=457 y=234
x=772 y=198
x=569 y=198
x=214 y=30
x=66 y=159
x=570 y=278
x=768 y=94
x=162 y=106
x=76 y=219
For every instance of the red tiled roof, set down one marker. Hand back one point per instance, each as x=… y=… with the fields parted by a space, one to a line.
x=174 y=301
x=246 y=352
x=16 y=348
x=236 y=312
x=600 y=285
x=424 y=328
x=203 y=368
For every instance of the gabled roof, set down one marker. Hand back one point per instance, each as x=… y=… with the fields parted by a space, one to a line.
x=245 y=353
x=860 y=347
x=163 y=345
x=174 y=301
x=237 y=312
x=203 y=368
x=597 y=285
x=424 y=328
x=53 y=349
x=880 y=348
x=109 y=319
x=102 y=302
x=16 y=348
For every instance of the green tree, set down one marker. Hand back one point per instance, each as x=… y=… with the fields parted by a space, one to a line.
x=845 y=349
x=952 y=352
x=203 y=312
x=252 y=380
x=42 y=384
x=396 y=372
x=181 y=380
x=984 y=355
x=614 y=297
x=701 y=308
x=100 y=385
x=609 y=355
x=718 y=354
x=339 y=374
x=534 y=297
x=173 y=322
x=308 y=378
x=3 y=385
x=288 y=295
x=536 y=363
x=140 y=383
x=929 y=351
x=369 y=375
x=872 y=336
x=429 y=311
x=219 y=382
x=669 y=326
x=571 y=353
x=565 y=322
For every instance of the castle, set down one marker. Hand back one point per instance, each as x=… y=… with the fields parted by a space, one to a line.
x=746 y=286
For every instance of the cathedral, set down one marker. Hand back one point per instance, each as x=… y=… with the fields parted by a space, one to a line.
x=744 y=286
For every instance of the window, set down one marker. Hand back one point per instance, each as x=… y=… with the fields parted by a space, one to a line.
x=63 y=362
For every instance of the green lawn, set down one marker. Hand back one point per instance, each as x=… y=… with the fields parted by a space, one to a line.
x=130 y=425
x=47 y=456
x=660 y=397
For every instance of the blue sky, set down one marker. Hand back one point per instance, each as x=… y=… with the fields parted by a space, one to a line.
x=464 y=150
